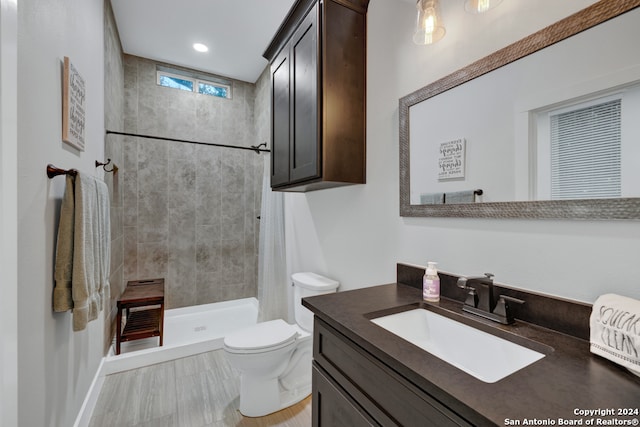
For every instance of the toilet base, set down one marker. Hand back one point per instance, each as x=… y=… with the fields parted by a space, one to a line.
x=274 y=380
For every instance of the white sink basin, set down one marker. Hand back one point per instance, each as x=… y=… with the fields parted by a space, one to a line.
x=485 y=356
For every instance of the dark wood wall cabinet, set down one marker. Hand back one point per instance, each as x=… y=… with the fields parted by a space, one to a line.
x=318 y=90
x=353 y=388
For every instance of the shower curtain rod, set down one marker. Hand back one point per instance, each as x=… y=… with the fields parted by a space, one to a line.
x=255 y=148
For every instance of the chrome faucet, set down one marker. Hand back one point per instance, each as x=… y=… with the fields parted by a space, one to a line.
x=480 y=299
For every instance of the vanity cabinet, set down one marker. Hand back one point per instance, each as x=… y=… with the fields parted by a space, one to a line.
x=318 y=88
x=351 y=384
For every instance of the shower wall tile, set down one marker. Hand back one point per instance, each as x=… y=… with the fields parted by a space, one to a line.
x=153 y=216
x=148 y=117
x=249 y=289
x=153 y=259
x=209 y=163
x=208 y=201
x=130 y=94
x=131 y=65
x=232 y=207
x=182 y=233
x=153 y=154
x=131 y=124
x=232 y=176
x=182 y=199
x=152 y=198
x=129 y=186
x=117 y=253
x=208 y=249
x=130 y=248
x=207 y=124
x=232 y=262
x=182 y=151
x=130 y=84
x=181 y=271
x=181 y=179
x=146 y=75
x=250 y=286
x=177 y=292
x=208 y=288
x=130 y=153
x=179 y=122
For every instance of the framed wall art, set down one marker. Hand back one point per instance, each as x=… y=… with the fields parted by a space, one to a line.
x=73 y=106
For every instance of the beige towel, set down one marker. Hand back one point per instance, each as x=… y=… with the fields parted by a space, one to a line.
x=615 y=330
x=62 y=296
x=83 y=250
x=87 y=253
x=104 y=243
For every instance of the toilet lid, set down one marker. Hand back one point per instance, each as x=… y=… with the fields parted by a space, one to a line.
x=261 y=336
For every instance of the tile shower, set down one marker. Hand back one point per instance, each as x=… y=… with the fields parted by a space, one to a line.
x=190 y=211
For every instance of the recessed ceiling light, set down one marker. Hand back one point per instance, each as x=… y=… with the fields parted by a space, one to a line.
x=200 y=47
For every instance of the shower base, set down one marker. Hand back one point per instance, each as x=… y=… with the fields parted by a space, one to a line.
x=187 y=331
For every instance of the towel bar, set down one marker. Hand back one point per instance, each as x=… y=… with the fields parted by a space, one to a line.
x=53 y=171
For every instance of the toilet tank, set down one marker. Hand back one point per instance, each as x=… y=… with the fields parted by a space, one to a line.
x=306 y=285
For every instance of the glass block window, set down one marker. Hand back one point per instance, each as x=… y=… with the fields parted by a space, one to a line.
x=194 y=82
x=586 y=146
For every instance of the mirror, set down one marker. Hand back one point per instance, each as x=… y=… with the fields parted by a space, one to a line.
x=483 y=128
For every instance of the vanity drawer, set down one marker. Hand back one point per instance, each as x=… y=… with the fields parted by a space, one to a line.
x=334 y=406
x=391 y=400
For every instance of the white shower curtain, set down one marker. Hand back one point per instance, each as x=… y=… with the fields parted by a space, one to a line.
x=273 y=284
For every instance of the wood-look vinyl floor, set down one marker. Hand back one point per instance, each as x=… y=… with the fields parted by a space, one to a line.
x=197 y=391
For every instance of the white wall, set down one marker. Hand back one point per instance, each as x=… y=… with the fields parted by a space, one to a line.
x=355 y=234
x=55 y=365
x=8 y=214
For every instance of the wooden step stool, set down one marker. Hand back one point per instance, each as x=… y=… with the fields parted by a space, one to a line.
x=146 y=297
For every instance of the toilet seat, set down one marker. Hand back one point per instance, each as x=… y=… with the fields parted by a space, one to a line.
x=262 y=337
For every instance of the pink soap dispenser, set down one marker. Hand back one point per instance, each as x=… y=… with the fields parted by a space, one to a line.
x=431 y=283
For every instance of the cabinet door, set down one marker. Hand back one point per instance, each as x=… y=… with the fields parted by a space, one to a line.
x=280 y=118
x=305 y=145
x=332 y=407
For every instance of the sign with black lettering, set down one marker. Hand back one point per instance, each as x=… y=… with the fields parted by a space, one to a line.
x=451 y=160
x=73 y=106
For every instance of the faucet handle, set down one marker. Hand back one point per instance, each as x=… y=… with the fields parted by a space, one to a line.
x=511 y=299
x=462 y=283
x=472 y=298
x=502 y=307
x=489 y=275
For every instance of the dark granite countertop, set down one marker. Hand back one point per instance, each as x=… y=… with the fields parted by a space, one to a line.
x=567 y=380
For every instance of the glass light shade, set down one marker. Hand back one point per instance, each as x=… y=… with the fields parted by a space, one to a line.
x=480 y=6
x=429 y=28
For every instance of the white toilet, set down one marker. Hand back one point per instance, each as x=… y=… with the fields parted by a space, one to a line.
x=274 y=357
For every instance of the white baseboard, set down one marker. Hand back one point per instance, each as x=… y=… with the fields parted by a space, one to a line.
x=89 y=404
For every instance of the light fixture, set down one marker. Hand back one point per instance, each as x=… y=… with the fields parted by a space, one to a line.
x=429 y=28
x=200 y=47
x=480 y=6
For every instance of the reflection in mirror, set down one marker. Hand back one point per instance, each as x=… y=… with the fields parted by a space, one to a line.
x=553 y=125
